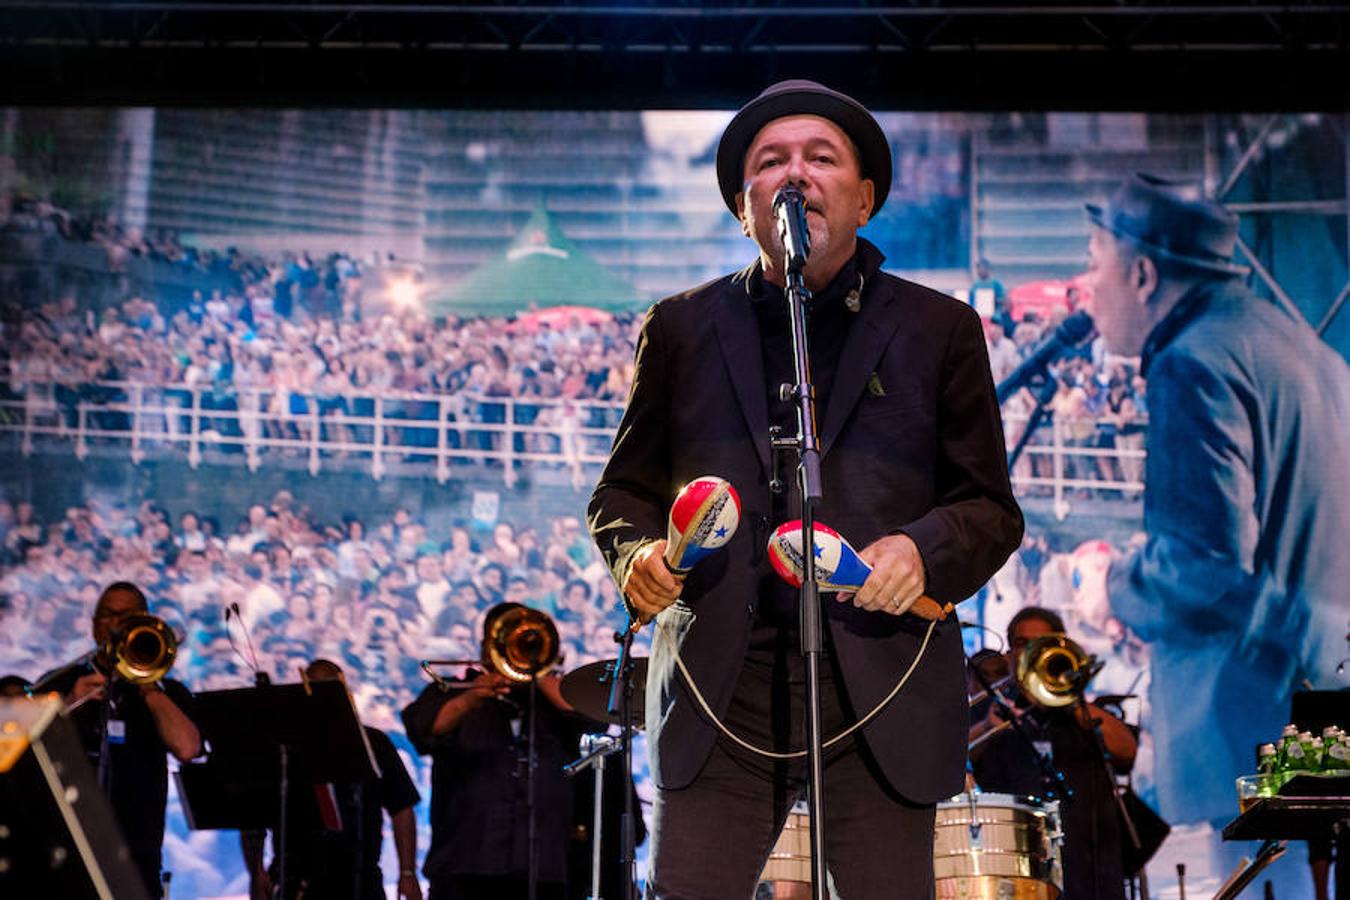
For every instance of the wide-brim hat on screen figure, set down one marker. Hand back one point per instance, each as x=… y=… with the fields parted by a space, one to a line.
x=1171 y=220
x=799 y=97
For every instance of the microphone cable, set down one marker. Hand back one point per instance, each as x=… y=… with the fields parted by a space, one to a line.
x=661 y=631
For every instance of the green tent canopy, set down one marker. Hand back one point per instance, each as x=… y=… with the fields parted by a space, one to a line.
x=541 y=268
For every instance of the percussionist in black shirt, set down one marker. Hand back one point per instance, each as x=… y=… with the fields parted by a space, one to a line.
x=143 y=723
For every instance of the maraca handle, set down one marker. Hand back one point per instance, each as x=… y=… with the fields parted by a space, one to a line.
x=928 y=608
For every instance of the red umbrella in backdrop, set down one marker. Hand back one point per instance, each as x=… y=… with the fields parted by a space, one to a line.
x=1046 y=297
x=560 y=317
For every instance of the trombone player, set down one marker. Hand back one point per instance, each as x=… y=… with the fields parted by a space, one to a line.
x=129 y=716
x=1057 y=724
x=476 y=731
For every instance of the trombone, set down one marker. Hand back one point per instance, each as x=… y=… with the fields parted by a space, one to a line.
x=1052 y=670
x=141 y=650
x=518 y=642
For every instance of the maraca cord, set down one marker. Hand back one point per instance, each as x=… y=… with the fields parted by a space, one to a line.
x=793 y=754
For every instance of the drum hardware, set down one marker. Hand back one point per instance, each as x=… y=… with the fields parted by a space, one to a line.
x=788 y=868
x=588 y=690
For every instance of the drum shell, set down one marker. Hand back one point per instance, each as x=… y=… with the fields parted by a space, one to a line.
x=790 y=859
x=996 y=845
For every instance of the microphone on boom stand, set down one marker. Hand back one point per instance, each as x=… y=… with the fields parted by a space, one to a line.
x=789 y=209
x=1067 y=335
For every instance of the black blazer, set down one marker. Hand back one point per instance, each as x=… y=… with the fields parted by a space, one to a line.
x=917 y=449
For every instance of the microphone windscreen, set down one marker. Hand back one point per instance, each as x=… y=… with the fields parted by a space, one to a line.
x=702 y=519
x=838 y=566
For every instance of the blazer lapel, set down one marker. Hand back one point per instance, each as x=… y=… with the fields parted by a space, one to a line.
x=738 y=337
x=863 y=347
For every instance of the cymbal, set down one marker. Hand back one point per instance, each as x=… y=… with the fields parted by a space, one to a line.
x=587 y=689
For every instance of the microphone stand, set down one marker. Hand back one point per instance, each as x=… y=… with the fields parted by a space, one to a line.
x=1131 y=832
x=796 y=242
x=595 y=747
x=531 y=761
x=620 y=703
x=1043 y=394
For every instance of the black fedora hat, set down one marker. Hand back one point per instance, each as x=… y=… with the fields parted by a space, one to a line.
x=798 y=97
x=1171 y=219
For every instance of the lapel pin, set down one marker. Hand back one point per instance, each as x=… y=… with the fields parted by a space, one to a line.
x=874 y=386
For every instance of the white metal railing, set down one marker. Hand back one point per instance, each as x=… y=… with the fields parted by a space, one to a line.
x=1054 y=465
x=435 y=434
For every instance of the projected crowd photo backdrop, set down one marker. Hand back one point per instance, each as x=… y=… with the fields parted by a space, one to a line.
x=356 y=372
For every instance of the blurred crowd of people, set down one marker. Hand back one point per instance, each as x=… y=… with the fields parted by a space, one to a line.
x=285 y=338
x=376 y=595
x=287 y=282
x=240 y=358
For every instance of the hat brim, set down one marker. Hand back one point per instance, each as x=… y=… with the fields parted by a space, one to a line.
x=1098 y=216
x=874 y=150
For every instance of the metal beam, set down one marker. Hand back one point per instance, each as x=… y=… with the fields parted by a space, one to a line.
x=606 y=11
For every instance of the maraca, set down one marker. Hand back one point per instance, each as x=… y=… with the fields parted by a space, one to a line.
x=838 y=565
x=702 y=519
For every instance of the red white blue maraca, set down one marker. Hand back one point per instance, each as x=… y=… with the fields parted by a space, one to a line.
x=703 y=519
x=838 y=565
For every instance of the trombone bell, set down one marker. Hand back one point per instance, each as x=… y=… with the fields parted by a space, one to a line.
x=520 y=643
x=1054 y=671
x=142 y=650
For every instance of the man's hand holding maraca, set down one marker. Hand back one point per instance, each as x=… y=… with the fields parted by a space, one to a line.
x=702 y=520
x=897 y=580
x=649 y=584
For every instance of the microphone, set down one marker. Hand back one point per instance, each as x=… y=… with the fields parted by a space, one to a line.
x=259 y=676
x=789 y=209
x=1070 y=333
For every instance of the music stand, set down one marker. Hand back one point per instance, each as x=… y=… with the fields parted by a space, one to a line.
x=260 y=739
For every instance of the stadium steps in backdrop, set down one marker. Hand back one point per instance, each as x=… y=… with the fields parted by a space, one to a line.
x=1027 y=195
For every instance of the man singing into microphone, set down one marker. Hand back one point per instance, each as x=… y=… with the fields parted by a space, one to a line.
x=913 y=471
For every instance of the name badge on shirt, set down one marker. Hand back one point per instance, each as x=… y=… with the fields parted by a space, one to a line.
x=117 y=731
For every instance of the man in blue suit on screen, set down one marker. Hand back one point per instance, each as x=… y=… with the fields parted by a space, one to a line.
x=1241 y=587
